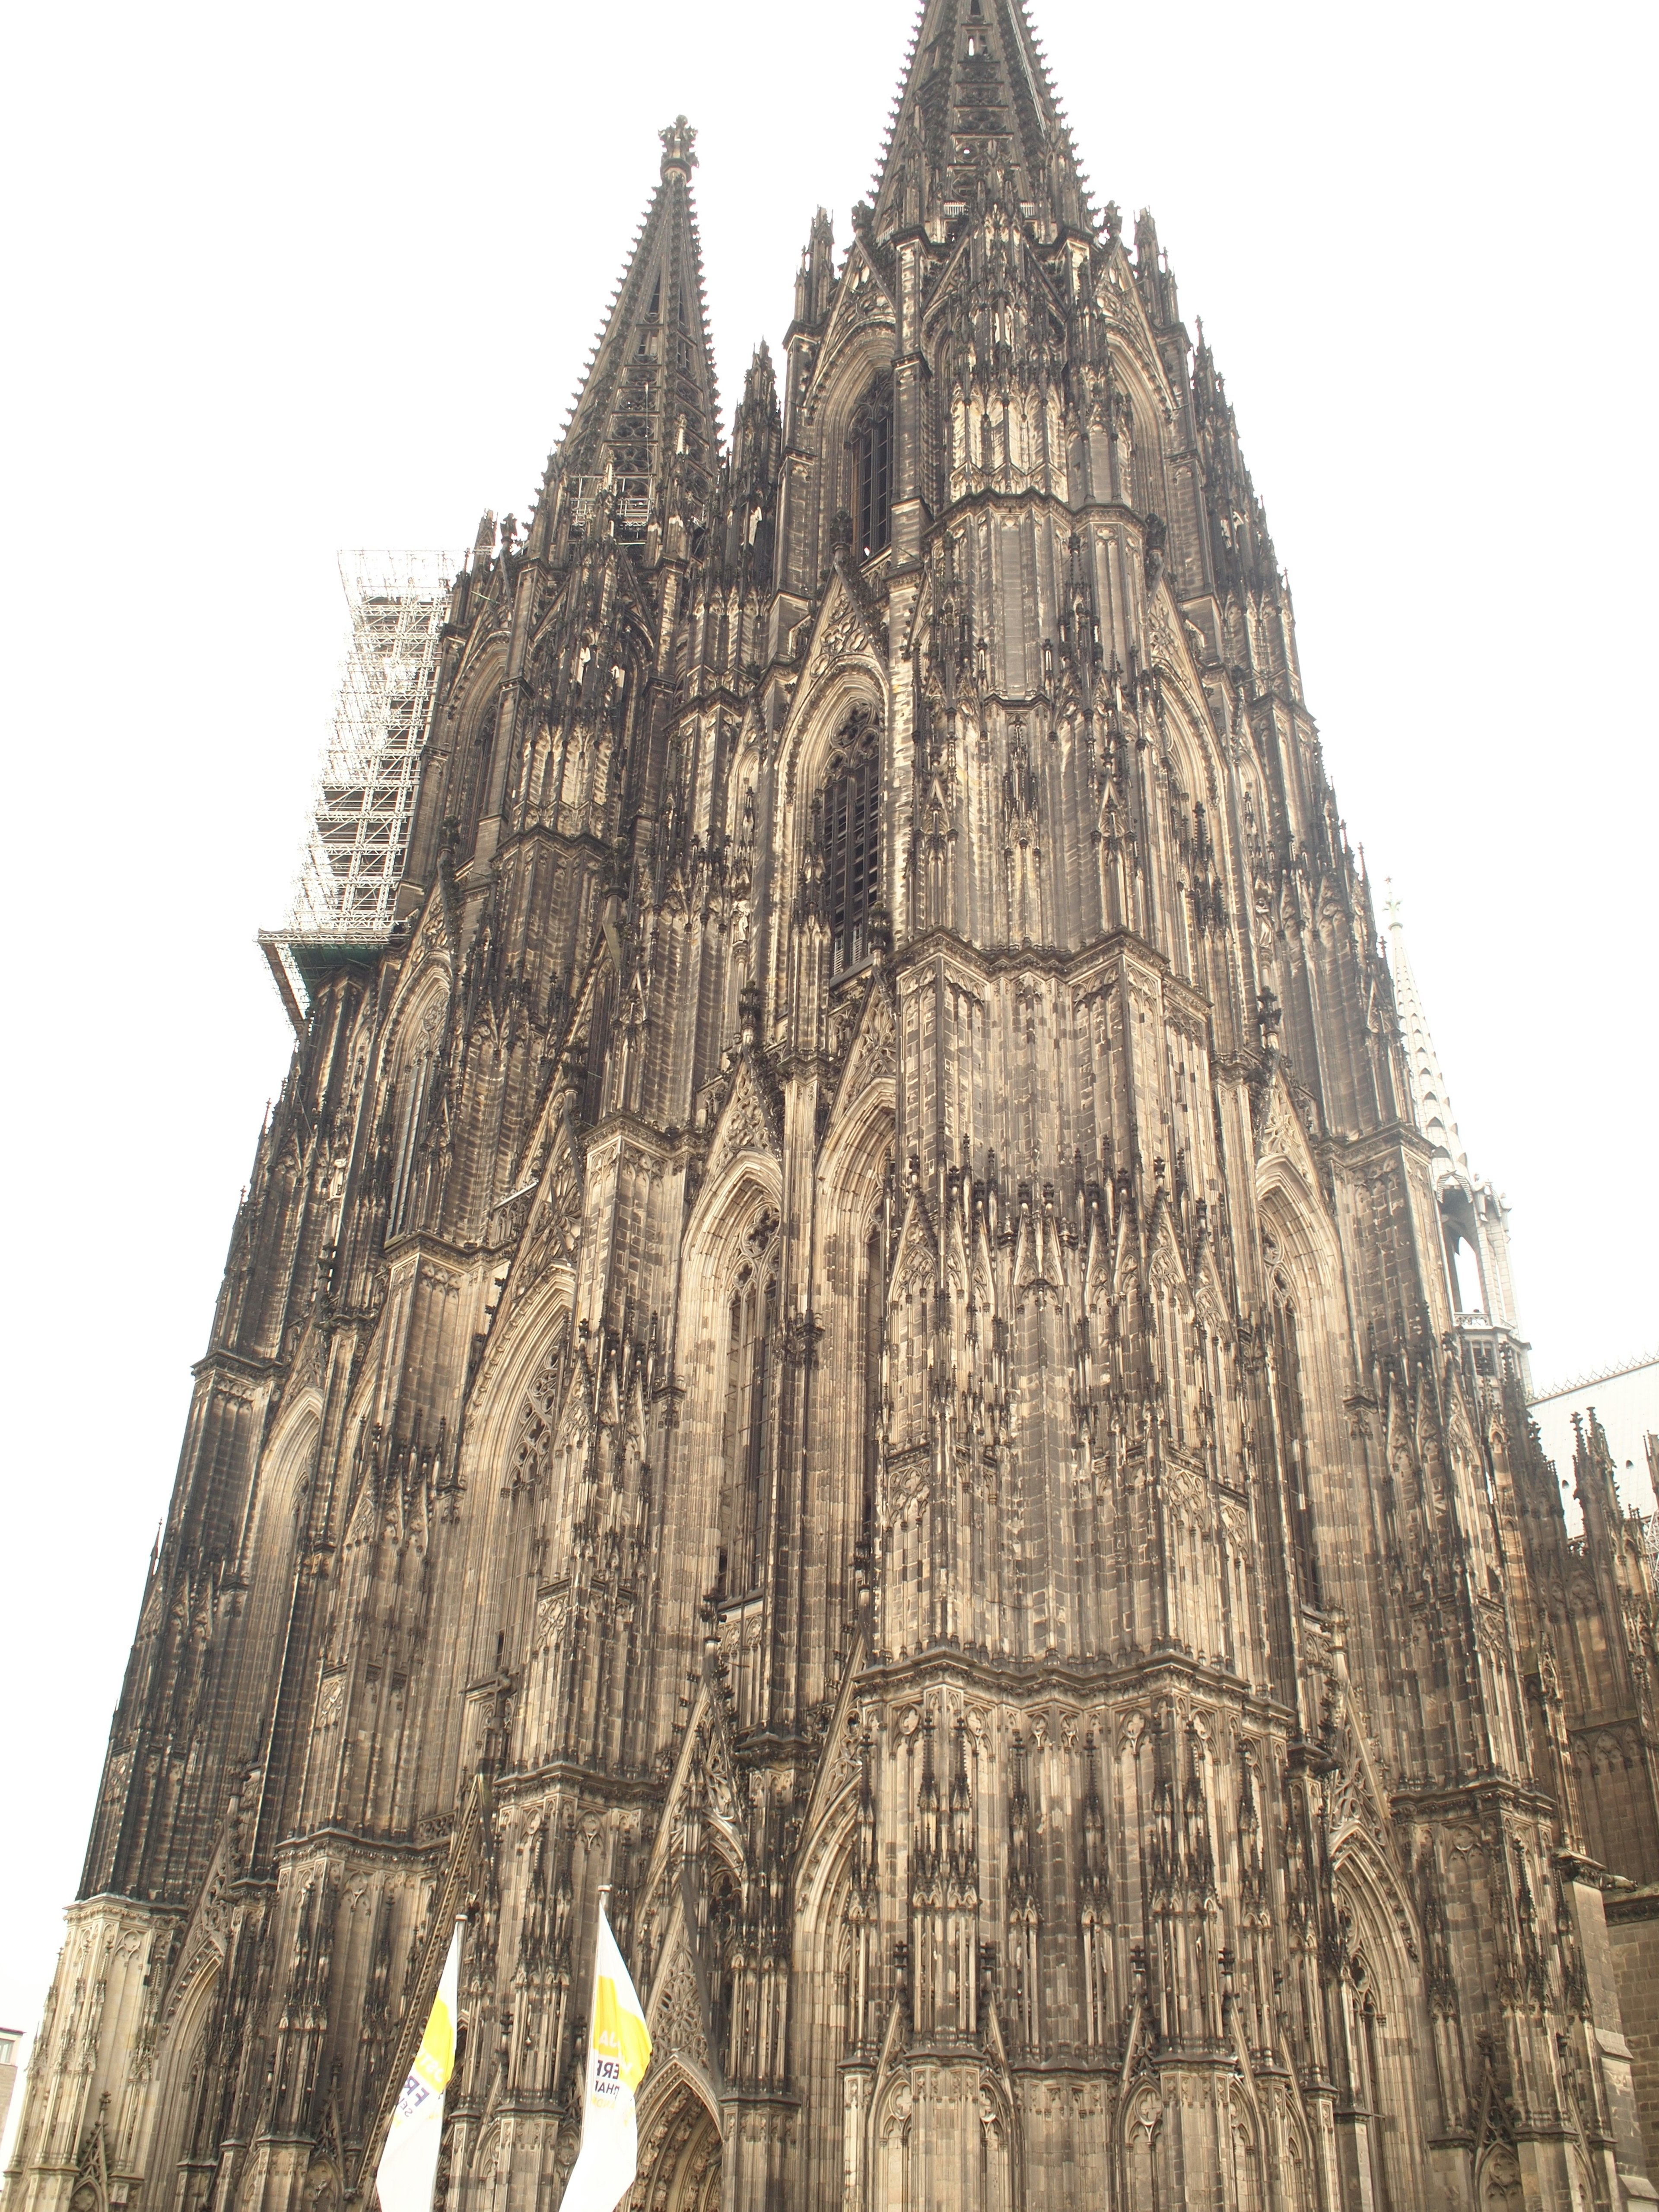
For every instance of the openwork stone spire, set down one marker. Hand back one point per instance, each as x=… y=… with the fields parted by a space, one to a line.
x=1431 y=1096
x=649 y=408
x=975 y=107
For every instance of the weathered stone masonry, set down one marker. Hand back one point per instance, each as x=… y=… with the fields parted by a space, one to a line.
x=853 y=1314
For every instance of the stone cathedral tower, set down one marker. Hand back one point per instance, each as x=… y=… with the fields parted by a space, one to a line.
x=844 y=1324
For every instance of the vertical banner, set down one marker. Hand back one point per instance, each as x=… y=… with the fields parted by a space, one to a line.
x=409 y=2164
x=618 y=2053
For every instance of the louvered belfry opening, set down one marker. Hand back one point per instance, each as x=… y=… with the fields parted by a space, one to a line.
x=852 y=836
x=873 y=459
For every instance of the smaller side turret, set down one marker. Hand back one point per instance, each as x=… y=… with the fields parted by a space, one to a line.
x=1242 y=551
x=1154 y=276
x=815 y=280
x=751 y=490
x=1473 y=1217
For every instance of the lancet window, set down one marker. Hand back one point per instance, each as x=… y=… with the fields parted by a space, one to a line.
x=1370 y=2085
x=751 y=1316
x=1293 y=1429
x=1462 y=1252
x=873 y=471
x=412 y=1098
x=872 y=1334
x=852 y=840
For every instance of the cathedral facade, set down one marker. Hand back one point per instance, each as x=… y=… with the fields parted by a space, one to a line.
x=850 y=1325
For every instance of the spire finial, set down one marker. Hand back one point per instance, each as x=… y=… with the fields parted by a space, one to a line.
x=679 y=142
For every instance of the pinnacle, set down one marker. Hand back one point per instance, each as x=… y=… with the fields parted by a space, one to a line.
x=678 y=148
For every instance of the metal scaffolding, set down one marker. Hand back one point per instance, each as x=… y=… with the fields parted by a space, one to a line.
x=358 y=841
x=633 y=498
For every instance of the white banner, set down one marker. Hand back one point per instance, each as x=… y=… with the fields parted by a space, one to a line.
x=409 y=2164
x=618 y=2053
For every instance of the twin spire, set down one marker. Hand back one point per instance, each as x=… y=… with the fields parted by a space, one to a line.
x=976 y=107
x=975 y=110
x=648 y=412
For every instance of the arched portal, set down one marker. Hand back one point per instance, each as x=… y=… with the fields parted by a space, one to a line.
x=679 y=2167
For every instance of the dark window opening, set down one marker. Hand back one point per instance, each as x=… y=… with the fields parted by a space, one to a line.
x=872 y=471
x=1292 y=1410
x=1385 y=2195
x=751 y=1319
x=1293 y=1417
x=875 y=1309
x=1466 y=1275
x=852 y=843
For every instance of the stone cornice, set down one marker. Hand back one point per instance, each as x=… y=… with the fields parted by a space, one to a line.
x=663 y=1144
x=222 y=1361
x=1392 y=1136
x=989 y=961
x=617 y=1790
x=392 y=1849
x=1445 y=1800
x=424 y=1244
x=1084 y=1681
x=141 y=1908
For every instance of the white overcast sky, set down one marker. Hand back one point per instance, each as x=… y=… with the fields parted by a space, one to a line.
x=289 y=279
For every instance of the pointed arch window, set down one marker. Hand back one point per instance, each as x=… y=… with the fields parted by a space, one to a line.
x=1371 y=2082
x=872 y=1334
x=872 y=471
x=852 y=840
x=410 y=1098
x=1293 y=1424
x=751 y=1317
x=1465 y=1274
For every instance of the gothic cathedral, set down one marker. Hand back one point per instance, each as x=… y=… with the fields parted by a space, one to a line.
x=849 y=1322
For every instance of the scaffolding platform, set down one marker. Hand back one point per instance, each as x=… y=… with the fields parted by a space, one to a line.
x=357 y=841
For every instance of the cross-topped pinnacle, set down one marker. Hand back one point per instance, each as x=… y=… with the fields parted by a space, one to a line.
x=679 y=142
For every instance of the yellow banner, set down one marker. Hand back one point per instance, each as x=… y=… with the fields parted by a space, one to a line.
x=409 y=2164
x=618 y=2053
